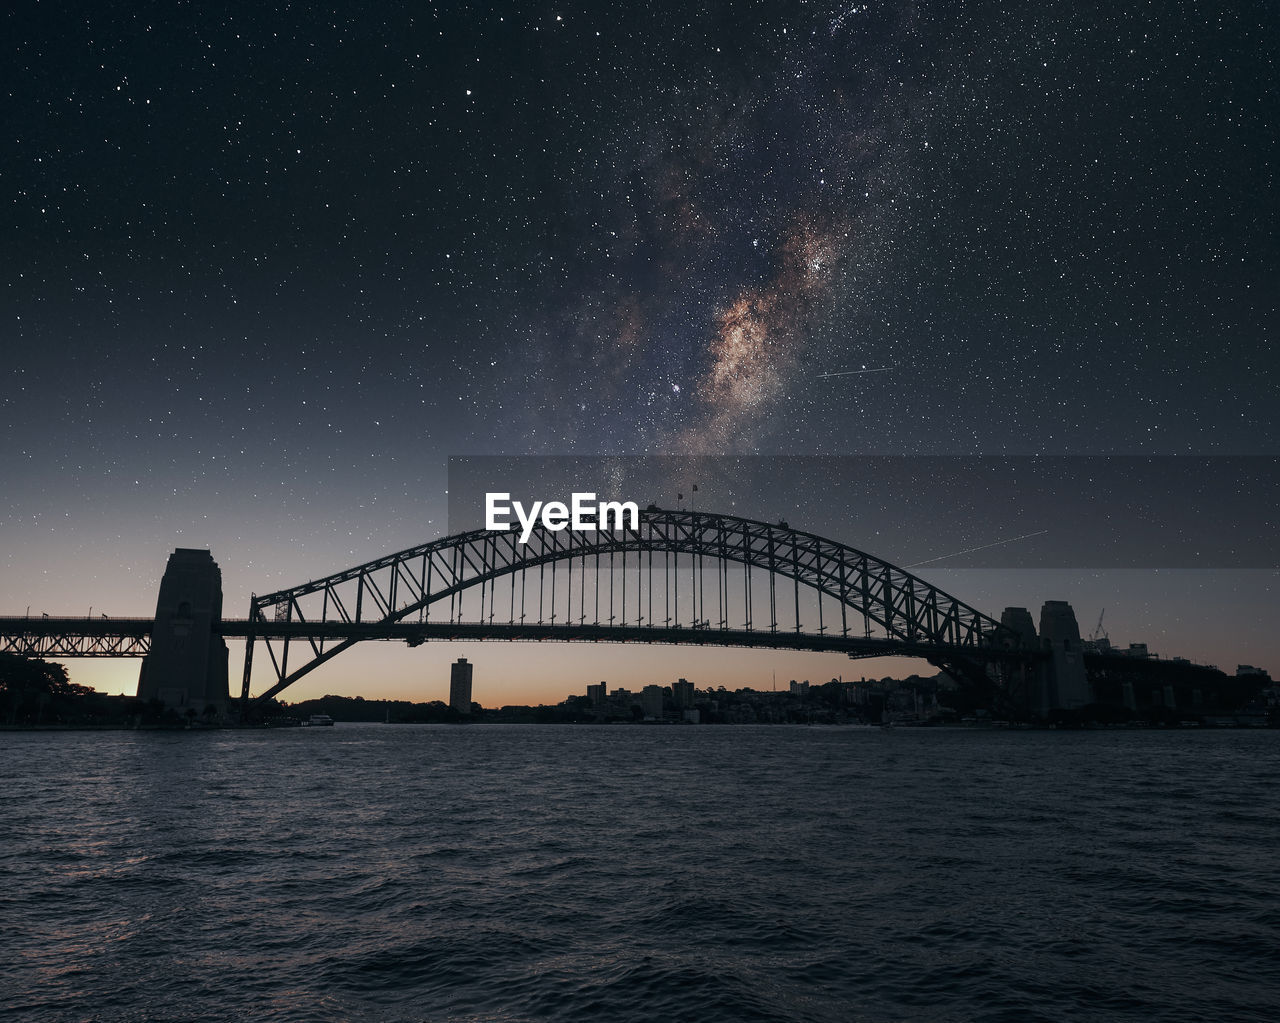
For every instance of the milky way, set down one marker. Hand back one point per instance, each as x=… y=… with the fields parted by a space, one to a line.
x=758 y=210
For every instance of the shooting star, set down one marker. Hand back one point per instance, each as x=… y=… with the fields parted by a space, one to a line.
x=854 y=372
x=956 y=554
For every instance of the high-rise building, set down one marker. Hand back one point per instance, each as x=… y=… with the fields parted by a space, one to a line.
x=460 y=686
x=682 y=694
x=596 y=694
x=651 y=701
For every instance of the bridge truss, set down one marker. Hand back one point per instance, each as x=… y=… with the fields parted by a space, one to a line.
x=676 y=577
x=76 y=637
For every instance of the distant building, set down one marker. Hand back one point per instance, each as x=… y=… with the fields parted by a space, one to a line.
x=460 y=686
x=682 y=694
x=651 y=701
x=800 y=688
x=596 y=694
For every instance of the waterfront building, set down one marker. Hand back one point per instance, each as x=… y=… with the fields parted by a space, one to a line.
x=460 y=686
x=651 y=701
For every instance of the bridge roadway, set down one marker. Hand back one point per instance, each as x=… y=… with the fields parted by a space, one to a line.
x=131 y=637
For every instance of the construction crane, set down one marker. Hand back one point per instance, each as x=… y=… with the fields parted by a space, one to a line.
x=1098 y=632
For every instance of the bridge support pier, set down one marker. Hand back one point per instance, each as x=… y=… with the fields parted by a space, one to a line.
x=187 y=666
x=1020 y=678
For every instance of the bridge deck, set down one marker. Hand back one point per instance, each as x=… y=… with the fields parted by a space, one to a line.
x=130 y=637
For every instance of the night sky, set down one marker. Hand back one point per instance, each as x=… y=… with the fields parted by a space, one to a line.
x=265 y=269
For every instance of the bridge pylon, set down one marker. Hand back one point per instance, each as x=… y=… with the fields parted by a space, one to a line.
x=186 y=668
x=1061 y=682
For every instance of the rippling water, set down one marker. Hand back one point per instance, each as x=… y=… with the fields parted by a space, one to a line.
x=373 y=872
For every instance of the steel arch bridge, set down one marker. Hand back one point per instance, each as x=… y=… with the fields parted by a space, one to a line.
x=677 y=577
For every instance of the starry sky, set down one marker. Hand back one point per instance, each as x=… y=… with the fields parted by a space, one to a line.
x=267 y=268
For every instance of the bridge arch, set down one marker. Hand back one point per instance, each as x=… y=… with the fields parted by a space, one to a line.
x=395 y=596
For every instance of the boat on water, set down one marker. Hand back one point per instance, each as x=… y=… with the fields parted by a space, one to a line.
x=317 y=721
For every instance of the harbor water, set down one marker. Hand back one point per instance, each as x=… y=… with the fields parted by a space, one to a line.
x=630 y=873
